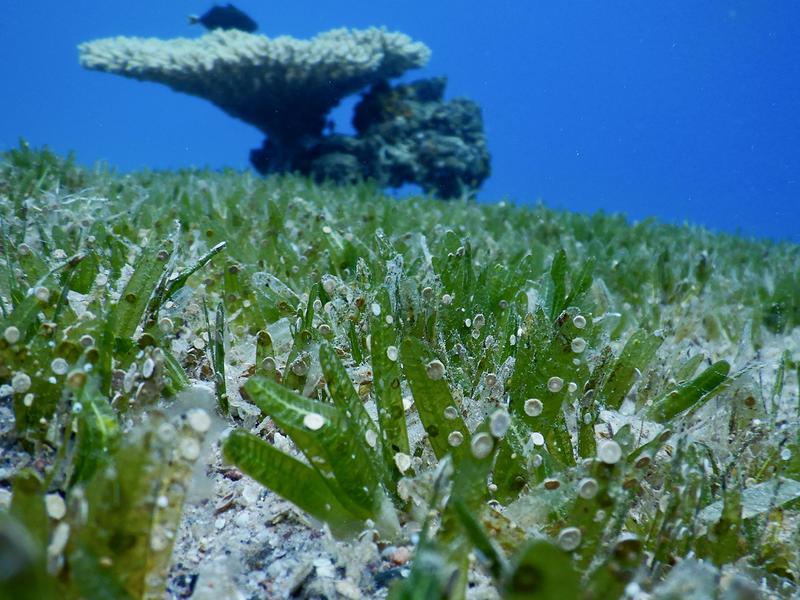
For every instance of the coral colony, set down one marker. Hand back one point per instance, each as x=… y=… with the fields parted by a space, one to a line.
x=286 y=87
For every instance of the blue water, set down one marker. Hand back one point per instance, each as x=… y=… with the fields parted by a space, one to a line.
x=689 y=111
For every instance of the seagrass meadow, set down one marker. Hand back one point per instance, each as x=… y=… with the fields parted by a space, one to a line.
x=215 y=385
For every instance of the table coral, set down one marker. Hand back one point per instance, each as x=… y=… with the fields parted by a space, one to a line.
x=284 y=86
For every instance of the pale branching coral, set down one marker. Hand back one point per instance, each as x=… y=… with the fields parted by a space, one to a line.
x=284 y=86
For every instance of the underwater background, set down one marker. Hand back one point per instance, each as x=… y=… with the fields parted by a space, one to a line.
x=683 y=111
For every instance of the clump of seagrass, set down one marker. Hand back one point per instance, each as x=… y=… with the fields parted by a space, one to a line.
x=284 y=86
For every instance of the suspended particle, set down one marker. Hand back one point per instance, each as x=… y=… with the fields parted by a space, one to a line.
x=609 y=452
x=467 y=322
x=537 y=461
x=786 y=454
x=28 y=400
x=21 y=382
x=588 y=488
x=579 y=321
x=478 y=321
x=533 y=407
x=392 y=353
x=324 y=329
x=569 y=538
x=537 y=439
x=572 y=387
x=499 y=422
x=491 y=379
x=402 y=461
x=552 y=484
x=86 y=341
x=59 y=366
x=427 y=293
x=587 y=418
x=447 y=299
x=389 y=319
x=11 y=334
x=554 y=384
x=512 y=340
x=313 y=421
x=435 y=369
x=326 y=229
x=578 y=345
x=376 y=309
x=42 y=293
x=451 y=413
x=455 y=438
x=482 y=445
